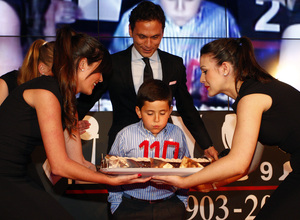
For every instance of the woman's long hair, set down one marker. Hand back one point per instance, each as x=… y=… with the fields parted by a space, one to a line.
x=240 y=53
x=29 y=69
x=39 y=51
x=46 y=54
x=70 y=48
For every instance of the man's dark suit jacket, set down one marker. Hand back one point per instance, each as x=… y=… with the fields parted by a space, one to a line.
x=123 y=95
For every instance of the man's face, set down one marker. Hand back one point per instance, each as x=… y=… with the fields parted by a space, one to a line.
x=180 y=11
x=146 y=36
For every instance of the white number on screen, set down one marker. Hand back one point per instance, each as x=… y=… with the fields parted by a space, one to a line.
x=263 y=23
x=195 y=208
x=254 y=199
x=211 y=208
x=223 y=207
x=267 y=170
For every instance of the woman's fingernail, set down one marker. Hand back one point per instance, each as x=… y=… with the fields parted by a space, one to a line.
x=139 y=175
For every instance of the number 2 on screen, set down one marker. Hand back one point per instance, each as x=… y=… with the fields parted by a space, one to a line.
x=263 y=23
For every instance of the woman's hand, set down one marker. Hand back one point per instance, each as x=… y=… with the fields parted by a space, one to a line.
x=128 y=179
x=83 y=125
x=171 y=180
x=206 y=187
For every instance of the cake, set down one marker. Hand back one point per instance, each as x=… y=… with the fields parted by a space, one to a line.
x=111 y=161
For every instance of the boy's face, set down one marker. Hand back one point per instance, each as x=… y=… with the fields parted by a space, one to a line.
x=155 y=115
x=180 y=11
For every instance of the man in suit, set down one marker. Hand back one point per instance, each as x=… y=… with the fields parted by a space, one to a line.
x=146 y=26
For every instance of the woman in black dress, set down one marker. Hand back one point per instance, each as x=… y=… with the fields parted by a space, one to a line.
x=267 y=111
x=38 y=61
x=40 y=112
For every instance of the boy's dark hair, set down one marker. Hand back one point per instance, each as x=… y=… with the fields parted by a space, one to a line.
x=153 y=90
x=147 y=11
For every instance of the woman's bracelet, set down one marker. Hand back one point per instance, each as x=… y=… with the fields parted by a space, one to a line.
x=213 y=186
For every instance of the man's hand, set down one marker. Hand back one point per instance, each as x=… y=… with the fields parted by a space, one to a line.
x=211 y=153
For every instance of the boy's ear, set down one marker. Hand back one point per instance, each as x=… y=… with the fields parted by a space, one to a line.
x=138 y=111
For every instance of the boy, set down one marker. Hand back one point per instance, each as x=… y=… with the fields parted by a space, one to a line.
x=150 y=200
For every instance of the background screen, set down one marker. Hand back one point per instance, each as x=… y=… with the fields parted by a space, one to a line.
x=271 y=25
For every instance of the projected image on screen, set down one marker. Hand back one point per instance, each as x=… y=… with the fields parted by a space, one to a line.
x=273 y=27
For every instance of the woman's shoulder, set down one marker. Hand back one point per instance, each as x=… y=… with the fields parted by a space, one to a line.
x=10 y=79
x=254 y=86
x=12 y=75
x=270 y=87
x=44 y=82
x=251 y=86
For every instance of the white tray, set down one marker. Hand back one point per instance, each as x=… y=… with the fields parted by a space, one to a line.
x=151 y=171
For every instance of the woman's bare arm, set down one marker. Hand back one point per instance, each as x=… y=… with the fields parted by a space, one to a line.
x=237 y=162
x=49 y=116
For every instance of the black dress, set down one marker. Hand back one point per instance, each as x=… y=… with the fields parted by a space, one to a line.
x=21 y=196
x=10 y=79
x=280 y=126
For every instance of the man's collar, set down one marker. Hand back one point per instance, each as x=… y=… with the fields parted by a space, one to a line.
x=137 y=56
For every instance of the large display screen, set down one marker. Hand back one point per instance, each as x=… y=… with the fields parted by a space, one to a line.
x=273 y=27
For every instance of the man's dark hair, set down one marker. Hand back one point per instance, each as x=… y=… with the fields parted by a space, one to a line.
x=147 y=11
x=154 y=90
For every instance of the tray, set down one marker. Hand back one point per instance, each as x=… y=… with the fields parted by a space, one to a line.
x=146 y=172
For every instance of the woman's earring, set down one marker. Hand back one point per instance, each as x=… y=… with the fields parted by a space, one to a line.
x=82 y=70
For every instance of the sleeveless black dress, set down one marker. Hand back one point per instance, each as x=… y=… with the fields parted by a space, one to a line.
x=280 y=126
x=21 y=196
x=10 y=79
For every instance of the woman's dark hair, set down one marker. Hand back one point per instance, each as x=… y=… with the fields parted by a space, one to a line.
x=153 y=90
x=70 y=48
x=147 y=11
x=106 y=65
x=240 y=53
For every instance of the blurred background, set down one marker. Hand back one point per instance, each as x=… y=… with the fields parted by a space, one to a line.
x=273 y=27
